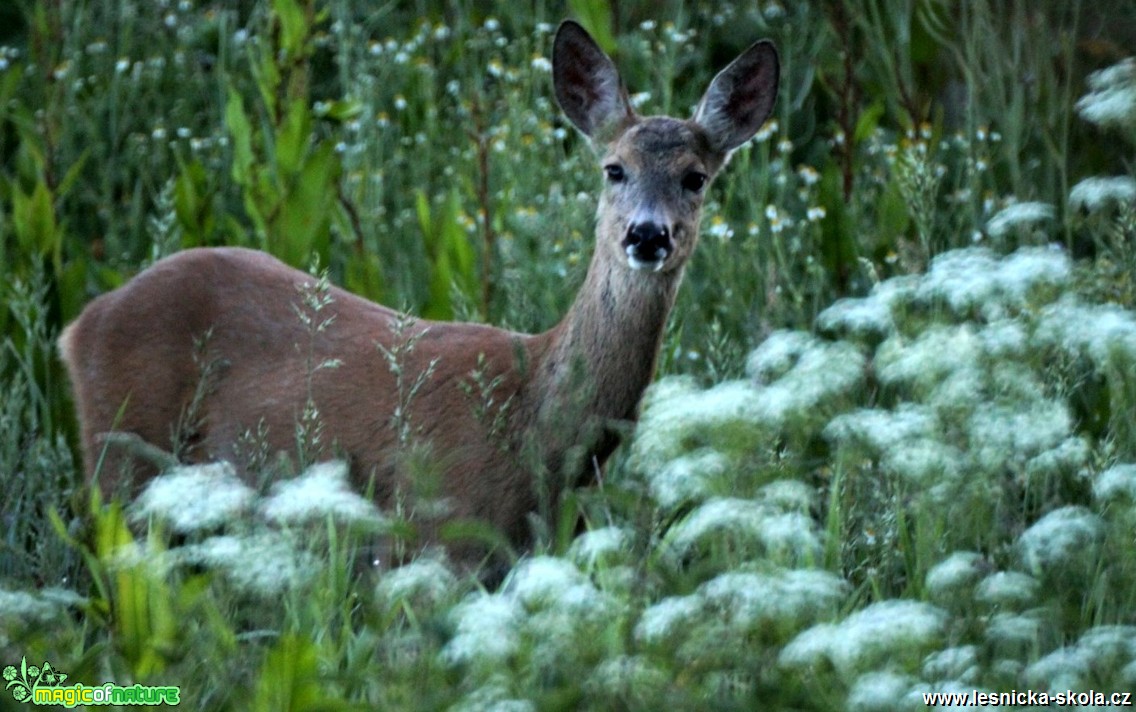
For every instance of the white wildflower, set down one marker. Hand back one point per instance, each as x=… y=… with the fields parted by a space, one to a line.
x=748 y=527
x=957 y=663
x=1065 y=536
x=678 y=412
x=777 y=354
x=788 y=496
x=264 y=565
x=424 y=582
x=819 y=381
x=559 y=588
x=487 y=630
x=879 y=431
x=319 y=492
x=604 y=545
x=1027 y=214
x=1109 y=646
x=1097 y=192
x=663 y=622
x=1112 y=99
x=639 y=99
x=858 y=317
x=951 y=580
x=926 y=462
x=1105 y=334
x=719 y=229
x=767 y=130
x=1066 y=668
x=878 y=691
x=1004 y=339
x=898 y=292
x=542 y=580
x=24 y=608
x=194 y=498
x=884 y=631
x=773 y=10
x=962 y=280
x=1069 y=459
x=781 y=602
x=1116 y=484
x=687 y=478
x=628 y=677
x=1014 y=432
x=973 y=280
x=1032 y=269
x=492 y=697
x=949 y=688
x=1007 y=589
x=930 y=359
x=1012 y=633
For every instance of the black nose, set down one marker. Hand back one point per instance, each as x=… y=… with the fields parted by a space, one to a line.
x=648 y=242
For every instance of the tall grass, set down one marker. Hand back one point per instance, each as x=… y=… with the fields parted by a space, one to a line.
x=891 y=448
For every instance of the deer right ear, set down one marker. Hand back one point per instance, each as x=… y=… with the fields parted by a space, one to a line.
x=587 y=83
x=740 y=98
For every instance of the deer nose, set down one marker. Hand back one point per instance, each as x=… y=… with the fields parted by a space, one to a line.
x=648 y=245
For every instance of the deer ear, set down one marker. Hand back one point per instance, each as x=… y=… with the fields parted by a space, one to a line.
x=740 y=98
x=587 y=84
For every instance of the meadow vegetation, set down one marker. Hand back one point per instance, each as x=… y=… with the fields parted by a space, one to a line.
x=891 y=449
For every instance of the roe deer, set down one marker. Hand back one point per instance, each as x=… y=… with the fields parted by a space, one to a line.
x=560 y=396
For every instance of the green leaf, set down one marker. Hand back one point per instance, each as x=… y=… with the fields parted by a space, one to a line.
x=596 y=17
x=456 y=243
x=72 y=173
x=342 y=110
x=365 y=277
x=72 y=282
x=236 y=120
x=34 y=220
x=293 y=26
x=303 y=224
x=425 y=224
x=868 y=121
x=290 y=680
x=292 y=139
x=192 y=205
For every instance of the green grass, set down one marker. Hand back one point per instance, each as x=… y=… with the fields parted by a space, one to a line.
x=891 y=447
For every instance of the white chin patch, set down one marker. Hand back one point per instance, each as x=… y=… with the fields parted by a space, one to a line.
x=650 y=266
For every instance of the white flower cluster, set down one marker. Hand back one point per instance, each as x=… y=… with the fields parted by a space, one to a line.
x=253 y=541
x=547 y=612
x=968 y=372
x=1111 y=100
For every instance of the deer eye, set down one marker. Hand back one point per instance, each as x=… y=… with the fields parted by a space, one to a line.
x=614 y=172
x=694 y=181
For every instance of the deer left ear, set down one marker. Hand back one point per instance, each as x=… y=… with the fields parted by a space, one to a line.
x=741 y=97
x=587 y=84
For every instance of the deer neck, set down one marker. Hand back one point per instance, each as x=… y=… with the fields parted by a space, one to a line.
x=601 y=356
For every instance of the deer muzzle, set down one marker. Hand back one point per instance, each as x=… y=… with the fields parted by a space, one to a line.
x=648 y=245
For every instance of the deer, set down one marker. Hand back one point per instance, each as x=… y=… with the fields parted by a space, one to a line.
x=561 y=399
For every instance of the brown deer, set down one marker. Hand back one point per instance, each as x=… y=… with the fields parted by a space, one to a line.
x=554 y=402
